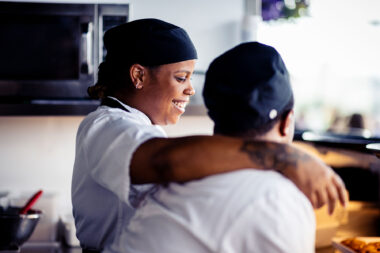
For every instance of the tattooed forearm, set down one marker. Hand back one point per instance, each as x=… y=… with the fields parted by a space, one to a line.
x=274 y=155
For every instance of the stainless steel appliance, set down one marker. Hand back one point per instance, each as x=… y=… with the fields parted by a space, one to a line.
x=50 y=53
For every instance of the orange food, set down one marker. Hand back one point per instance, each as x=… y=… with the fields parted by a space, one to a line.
x=347 y=242
x=375 y=245
x=361 y=246
x=369 y=249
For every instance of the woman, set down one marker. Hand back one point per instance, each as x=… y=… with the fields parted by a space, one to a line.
x=145 y=82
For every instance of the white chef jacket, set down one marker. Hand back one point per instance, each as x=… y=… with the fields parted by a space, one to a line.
x=102 y=196
x=244 y=211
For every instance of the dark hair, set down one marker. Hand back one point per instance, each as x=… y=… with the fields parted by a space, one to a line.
x=110 y=79
x=149 y=42
x=255 y=131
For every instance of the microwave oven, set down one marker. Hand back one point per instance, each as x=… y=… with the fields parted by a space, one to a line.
x=50 y=53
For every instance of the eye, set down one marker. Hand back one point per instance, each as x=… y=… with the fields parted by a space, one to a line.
x=180 y=79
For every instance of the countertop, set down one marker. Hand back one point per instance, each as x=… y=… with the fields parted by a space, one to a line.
x=363 y=220
x=49 y=247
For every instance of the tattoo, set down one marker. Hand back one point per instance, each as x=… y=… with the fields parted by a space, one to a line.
x=274 y=156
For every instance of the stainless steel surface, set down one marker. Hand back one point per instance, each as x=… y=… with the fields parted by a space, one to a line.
x=20 y=86
x=15 y=228
x=375 y=148
x=87 y=51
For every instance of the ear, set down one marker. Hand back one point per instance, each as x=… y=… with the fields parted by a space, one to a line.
x=136 y=73
x=286 y=124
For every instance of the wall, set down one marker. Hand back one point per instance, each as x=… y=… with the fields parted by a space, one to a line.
x=213 y=25
x=38 y=152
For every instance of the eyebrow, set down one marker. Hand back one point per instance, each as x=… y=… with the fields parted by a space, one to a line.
x=182 y=70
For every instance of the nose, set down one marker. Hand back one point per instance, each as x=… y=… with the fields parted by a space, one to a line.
x=189 y=90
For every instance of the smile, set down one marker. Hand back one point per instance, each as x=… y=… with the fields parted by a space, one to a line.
x=180 y=105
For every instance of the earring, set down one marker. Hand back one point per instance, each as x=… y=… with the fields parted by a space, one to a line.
x=138 y=86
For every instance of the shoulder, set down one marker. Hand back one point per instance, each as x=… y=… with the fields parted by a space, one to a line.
x=280 y=194
x=112 y=120
x=105 y=115
x=274 y=221
x=262 y=184
x=113 y=135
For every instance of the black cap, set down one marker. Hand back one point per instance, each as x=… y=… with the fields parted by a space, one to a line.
x=149 y=42
x=246 y=87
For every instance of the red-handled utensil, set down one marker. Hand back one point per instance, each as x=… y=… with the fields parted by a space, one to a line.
x=31 y=202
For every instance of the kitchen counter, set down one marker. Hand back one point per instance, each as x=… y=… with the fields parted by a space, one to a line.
x=50 y=247
x=363 y=221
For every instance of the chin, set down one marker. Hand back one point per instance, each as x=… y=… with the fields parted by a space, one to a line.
x=172 y=120
x=167 y=121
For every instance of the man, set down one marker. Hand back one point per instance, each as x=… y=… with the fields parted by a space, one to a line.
x=248 y=94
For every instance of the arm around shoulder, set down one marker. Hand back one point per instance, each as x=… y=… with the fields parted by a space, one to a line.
x=187 y=158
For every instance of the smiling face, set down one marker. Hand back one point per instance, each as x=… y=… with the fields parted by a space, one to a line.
x=166 y=91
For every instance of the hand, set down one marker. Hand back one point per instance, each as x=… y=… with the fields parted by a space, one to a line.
x=318 y=182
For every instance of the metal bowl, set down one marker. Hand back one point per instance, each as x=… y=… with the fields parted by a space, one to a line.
x=15 y=228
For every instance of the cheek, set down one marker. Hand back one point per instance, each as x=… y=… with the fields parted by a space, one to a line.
x=161 y=96
x=161 y=108
x=162 y=102
x=172 y=114
x=167 y=94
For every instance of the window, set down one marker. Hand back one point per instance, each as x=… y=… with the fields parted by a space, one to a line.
x=333 y=57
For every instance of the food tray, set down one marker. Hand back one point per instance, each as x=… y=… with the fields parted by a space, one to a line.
x=344 y=249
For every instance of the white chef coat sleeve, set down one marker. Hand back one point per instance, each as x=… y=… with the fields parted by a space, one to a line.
x=281 y=221
x=112 y=150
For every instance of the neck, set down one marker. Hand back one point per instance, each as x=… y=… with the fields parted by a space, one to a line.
x=123 y=98
x=271 y=136
x=134 y=102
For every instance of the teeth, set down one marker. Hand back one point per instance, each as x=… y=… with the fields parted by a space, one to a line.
x=180 y=104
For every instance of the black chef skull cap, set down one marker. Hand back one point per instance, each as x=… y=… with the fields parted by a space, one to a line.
x=247 y=87
x=149 y=42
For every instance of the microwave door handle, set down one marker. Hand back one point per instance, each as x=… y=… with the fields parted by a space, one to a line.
x=86 y=48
